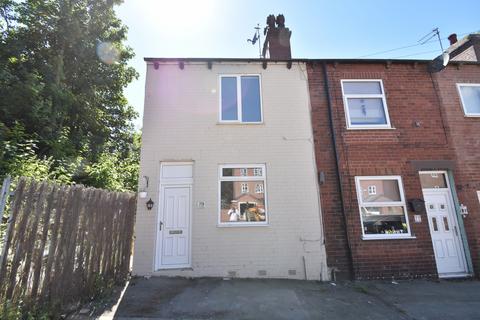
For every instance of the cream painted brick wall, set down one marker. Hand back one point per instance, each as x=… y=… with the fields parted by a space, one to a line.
x=181 y=123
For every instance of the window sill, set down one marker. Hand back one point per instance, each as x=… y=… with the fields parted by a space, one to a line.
x=371 y=128
x=396 y=237
x=475 y=115
x=240 y=123
x=241 y=225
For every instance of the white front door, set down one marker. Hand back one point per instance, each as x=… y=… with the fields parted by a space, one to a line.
x=445 y=233
x=174 y=216
x=174 y=227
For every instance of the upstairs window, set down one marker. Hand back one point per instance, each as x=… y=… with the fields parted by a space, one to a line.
x=257 y=172
x=244 y=187
x=470 y=97
x=365 y=105
x=240 y=99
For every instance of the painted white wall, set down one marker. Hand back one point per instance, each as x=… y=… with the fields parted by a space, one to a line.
x=181 y=124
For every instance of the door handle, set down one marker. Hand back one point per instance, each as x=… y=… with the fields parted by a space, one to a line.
x=160 y=225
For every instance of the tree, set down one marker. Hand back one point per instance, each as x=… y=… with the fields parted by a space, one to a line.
x=63 y=68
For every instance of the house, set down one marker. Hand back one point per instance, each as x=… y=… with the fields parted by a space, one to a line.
x=458 y=87
x=466 y=49
x=227 y=150
x=399 y=149
x=310 y=168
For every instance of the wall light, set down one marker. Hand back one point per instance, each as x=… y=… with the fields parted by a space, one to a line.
x=150 y=204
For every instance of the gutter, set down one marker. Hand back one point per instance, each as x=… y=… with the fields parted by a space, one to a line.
x=337 y=166
x=302 y=60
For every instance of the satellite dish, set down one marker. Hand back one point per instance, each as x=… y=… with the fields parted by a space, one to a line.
x=439 y=63
x=446 y=58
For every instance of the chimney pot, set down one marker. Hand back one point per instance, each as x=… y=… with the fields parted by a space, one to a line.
x=452 y=38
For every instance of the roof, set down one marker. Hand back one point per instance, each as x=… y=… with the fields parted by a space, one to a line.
x=327 y=60
x=470 y=42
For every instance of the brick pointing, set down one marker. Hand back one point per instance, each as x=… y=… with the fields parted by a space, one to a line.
x=411 y=100
x=464 y=136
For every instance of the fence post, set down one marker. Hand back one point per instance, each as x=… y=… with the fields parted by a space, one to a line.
x=4 y=193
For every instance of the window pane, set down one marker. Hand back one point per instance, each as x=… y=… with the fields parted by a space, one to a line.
x=434 y=223
x=259 y=188
x=386 y=190
x=366 y=111
x=433 y=180
x=445 y=224
x=363 y=87
x=384 y=220
x=244 y=187
x=229 y=98
x=257 y=171
x=471 y=99
x=251 y=99
x=237 y=206
x=241 y=172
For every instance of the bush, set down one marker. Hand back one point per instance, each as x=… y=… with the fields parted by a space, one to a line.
x=112 y=170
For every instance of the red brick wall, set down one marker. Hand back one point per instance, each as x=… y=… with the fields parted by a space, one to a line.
x=411 y=97
x=464 y=135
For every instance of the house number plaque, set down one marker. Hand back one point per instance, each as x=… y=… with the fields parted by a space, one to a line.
x=175 y=232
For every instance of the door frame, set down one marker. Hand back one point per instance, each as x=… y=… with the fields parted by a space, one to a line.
x=455 y=219
x=164 y=184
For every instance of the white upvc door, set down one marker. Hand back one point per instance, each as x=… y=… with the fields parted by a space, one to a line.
x=445 y=233
x=173 y=244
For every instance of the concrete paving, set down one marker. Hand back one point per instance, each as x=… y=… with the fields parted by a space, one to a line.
x=209 y=298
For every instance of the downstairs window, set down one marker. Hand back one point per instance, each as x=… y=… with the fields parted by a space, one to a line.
x=242 y=194
x=383 y=213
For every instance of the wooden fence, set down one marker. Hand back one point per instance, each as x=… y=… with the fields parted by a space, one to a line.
x=62 y=244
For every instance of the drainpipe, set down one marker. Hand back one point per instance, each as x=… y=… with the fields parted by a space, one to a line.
x=337 y=165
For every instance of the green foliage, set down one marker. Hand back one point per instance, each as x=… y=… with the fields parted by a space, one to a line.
x=17 y=311
x=114 y=172
x=10 y=311
x=63 y=115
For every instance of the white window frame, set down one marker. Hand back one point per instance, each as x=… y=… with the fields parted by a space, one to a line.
x=239 y=98
x=401 y=203
x=372 y=190
x=437 y=172
x=459 y=85
x=365 y=96
x=262 y=178
x=244 y=190
x=256 y=171
x=259 y=186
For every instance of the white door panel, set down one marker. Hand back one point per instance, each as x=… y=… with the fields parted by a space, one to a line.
x=444 y=231
x=174 y=226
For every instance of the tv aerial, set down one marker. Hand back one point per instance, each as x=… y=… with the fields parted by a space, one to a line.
x=256 y=38
x=440 y=62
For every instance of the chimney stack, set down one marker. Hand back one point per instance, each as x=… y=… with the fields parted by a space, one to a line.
x=277 y=39
x=452 y=38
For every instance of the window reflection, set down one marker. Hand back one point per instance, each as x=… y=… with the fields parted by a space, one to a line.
x=385 y=190
x=433 y=180
x=242 y=195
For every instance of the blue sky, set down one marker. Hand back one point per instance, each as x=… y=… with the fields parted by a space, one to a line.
x=321 y=29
